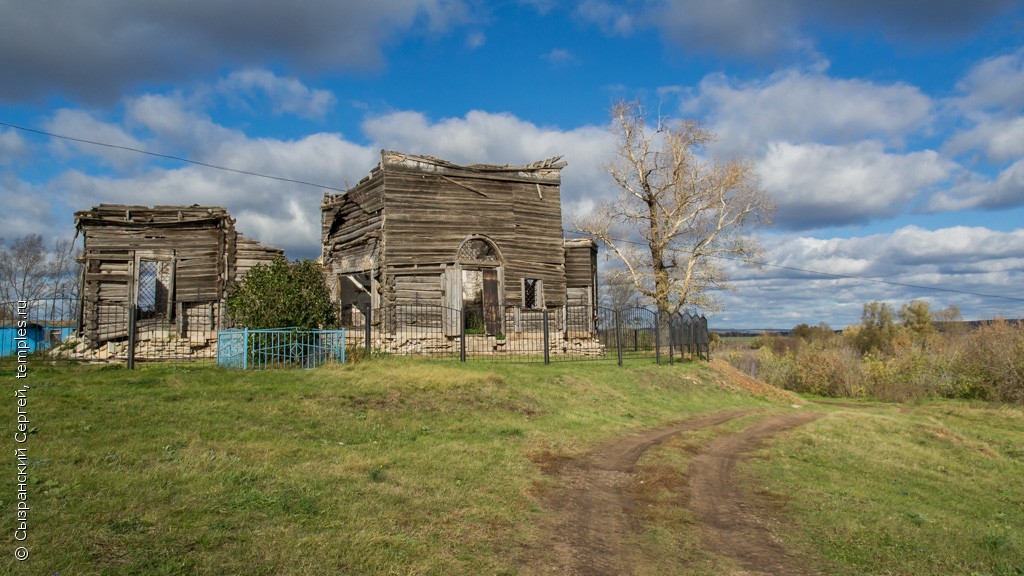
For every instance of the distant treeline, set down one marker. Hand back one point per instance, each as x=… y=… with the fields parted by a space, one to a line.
x=755 y=332
x=891 y=355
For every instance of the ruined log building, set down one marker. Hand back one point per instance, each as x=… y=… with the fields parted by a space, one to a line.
x=477 y=244
x=429 y=249
x=174 y=263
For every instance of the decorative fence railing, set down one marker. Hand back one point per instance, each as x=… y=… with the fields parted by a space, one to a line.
x=68 y=331
x=569 y=333
x=279 y=348
x=64 y=330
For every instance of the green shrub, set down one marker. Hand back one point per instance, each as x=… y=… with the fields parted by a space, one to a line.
x=828 y=371
x=283 y=294
x=993 y=361
x=777 y=369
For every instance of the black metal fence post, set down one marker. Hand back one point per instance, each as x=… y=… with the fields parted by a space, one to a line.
x=671 y=340
x=366 y=330
x=657 y=338
x=462 y=336
x=547 y=340
x=618 y=339
x=132 y=317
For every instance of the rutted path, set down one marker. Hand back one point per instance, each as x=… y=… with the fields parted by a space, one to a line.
x=595 y=515
x=730 y=524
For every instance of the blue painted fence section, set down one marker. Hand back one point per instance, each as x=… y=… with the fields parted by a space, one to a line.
x=279 y=348
x=36 y=337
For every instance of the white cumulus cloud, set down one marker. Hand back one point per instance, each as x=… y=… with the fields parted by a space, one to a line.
x=817 y=185
x=497 y=138
x=800 y=107
x=285 y=95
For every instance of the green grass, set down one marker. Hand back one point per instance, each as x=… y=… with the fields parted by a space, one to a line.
x=390 y=466
x=931 y=489
x=406 y=466
x=881 y=489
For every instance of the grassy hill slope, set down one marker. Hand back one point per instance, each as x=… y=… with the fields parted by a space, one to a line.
x=405 y=466
x=397 y=466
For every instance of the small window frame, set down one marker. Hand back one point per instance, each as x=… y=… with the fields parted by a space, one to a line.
x=533 y=293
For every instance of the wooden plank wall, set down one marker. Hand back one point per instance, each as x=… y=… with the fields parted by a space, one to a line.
x=250 y=253
x=580 y=263
x=351 y=225
x=200 y=241
x=405 y=222
x=430 y=210
x=538 y=251
x=428 y=216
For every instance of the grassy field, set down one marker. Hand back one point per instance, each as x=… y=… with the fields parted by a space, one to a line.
x=880 y=489
x=932 y=488
x=382 y=467
x=404 y=466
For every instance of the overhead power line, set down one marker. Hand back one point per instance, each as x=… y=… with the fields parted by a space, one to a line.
x=169 y=157
x=850 y=277
x=875 y=280
x=315 y=185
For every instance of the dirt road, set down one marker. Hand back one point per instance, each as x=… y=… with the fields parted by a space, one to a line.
x=595 y=515
x=731 y=523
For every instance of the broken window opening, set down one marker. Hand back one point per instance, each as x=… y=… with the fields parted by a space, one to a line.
x=533 y=293
x=154 y=288
x=355 y=298
x=478 y=249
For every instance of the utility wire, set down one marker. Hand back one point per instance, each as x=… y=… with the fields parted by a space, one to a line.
x=847 y=276
x=305 y=183
x=169 y=157
x=875 y=280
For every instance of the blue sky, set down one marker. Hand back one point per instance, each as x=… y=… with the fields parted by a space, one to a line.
x=891 y=133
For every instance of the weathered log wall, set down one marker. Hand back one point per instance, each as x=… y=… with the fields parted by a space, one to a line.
x=411 y=224
x=203 y=249
x=432 y=207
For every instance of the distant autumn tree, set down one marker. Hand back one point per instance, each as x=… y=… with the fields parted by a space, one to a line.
x=677 y=210
x=916 y=317
x=949 y=319
x=618 y=292
x=877 y=328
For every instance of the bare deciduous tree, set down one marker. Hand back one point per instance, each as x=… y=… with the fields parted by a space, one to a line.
x=28 y=271
x=64 y=271
x=676 y=211
x=23 y=269
x=618 y=292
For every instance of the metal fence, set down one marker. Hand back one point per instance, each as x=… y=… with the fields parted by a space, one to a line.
x=61 y=331
x=36 y=326
x=65 y=331
x=279 y=348
x=568 y=333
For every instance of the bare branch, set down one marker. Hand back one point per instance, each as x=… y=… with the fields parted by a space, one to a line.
x=684 y=207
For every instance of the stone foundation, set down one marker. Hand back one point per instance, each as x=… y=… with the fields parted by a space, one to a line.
x=523 y=344
x=151 y=349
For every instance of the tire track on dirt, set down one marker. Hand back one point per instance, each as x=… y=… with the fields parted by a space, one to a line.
x=594 y=511
x=731 y=524
x=594 y=514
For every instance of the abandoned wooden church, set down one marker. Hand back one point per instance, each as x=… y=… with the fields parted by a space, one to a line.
x=441 y=246
x=429 y=249
x=174 y=263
